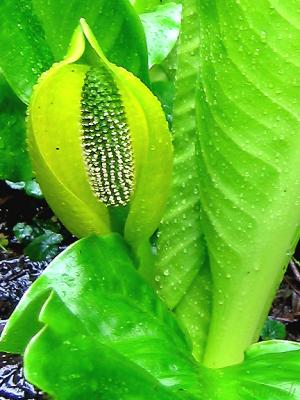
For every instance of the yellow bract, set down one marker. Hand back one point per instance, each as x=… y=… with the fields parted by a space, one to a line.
x=100 y=145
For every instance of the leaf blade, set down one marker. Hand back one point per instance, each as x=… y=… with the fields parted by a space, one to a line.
x=248 y=142
x=181 y=245
x=124 y=321
x=14 y=160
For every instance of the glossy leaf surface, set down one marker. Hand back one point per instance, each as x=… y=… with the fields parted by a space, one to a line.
x=273 y=329
x=162 y=29
x=105 y=331
x=245 y=170
x=248 y=118
x=91 y=327
x=180 y=278
x=270 y=372
x=35 y=33
x=14 y=160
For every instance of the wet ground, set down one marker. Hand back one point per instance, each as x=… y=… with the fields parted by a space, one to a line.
x=17 y=273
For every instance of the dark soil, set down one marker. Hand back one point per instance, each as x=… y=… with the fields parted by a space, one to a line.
x=12 y=382
x=286 y=306
x=17 y=273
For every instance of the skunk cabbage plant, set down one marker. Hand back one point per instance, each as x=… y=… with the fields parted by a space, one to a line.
x=100 y=145
x=115 y=317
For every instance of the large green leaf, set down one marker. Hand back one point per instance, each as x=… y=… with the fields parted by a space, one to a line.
x=14 y=161
x=181 y=267
x=248 y=118
x=105 y=331
x=35 y=33
x=92 y=328
x=247 y=112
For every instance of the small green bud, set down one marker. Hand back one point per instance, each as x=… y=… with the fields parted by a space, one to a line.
x=100 y=145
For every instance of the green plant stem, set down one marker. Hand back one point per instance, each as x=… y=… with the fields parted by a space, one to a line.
x=237 y=322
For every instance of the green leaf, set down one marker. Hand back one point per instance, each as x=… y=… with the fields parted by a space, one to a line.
x=273 y=330
x=23 y=232
x=248 y=118
x=270 y=371
x=142 y=6
x=41 y=239
x=164 y=90
x=243 y=168
x=33 y=189
x=105 y=332
x=14 y=161
x=181 y=264
x=33 y=35
x=162 y=29
x=16 y=185
x=90 y=327
x=44 y=247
